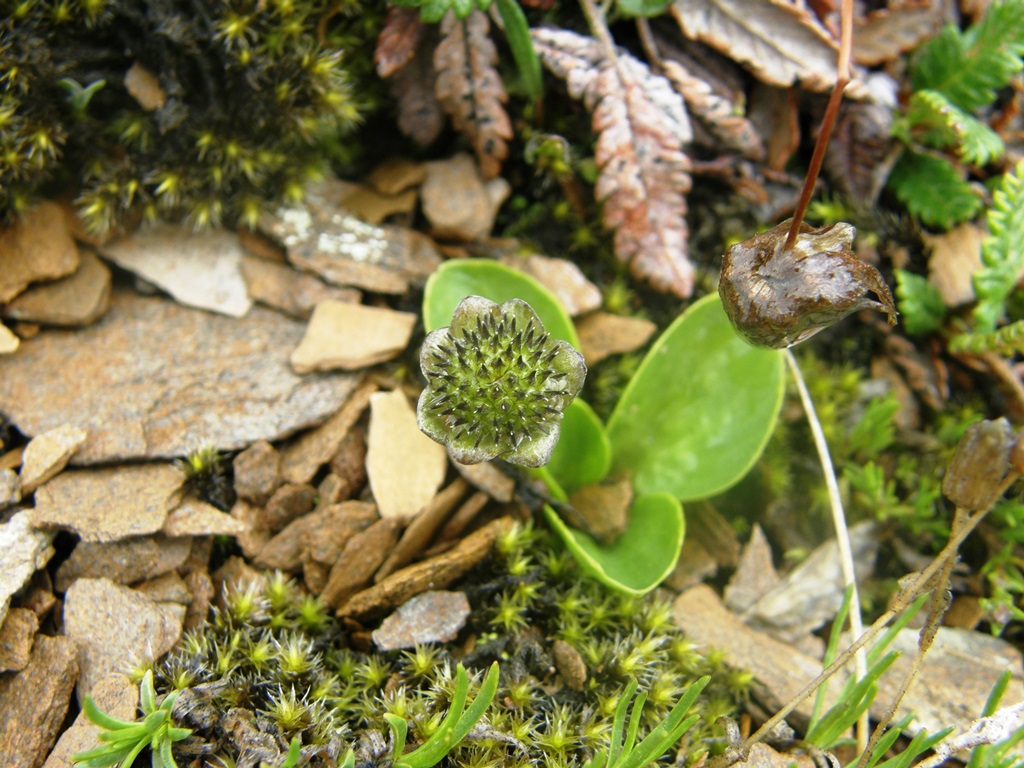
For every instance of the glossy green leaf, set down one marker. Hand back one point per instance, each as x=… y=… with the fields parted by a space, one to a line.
x=455 y=280
x=700 y=408
x=641 y=558
x=583 y=454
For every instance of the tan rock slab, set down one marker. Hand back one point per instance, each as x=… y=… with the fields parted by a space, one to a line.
x=421 y=530
x=255 y=535
x=115 y=626
x=23 y=551
x=320 y=536
x=351 y=336
x=288 y=290
x=35 y=701
x=16 y=637
x=10 y=488
x=562 y=277
x=397 y=174
x=124 y=562
x=118 y=697
x=290 y=501
x=38 y=246
x=436 y=573
x=489 y=479
x=318 y=237
x=455 y=200
x=780 y=671
x=462 y=518
x=405 y=467
x=955 y=258
x=9 y=342
x=142 y=387
x=200 y=269
x=604 y=507
x=302 y=458
x=47 y=454
x=372 y=206
x=79 y=299
x=433 y=617
x=257 y=472
x=166 y=588
x=362 y=556
x=603 y=334
x=197 y=518
x=109 y=503
x=200 y=587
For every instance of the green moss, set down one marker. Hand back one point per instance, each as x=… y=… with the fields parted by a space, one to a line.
x=250 y=94
x=261 y=654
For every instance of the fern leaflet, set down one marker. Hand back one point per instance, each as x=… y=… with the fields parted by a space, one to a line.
x=1002 y=253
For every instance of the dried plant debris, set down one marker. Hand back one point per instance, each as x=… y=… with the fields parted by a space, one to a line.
x=470 y=88
x=782 y=43
x=642 y=124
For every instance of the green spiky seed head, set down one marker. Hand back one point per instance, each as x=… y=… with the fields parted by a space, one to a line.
x=497 y=383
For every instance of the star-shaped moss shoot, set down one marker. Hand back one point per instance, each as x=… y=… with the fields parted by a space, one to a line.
x=497 y=383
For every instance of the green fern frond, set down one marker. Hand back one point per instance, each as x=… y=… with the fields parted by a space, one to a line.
x=1002 y=253
x=432 y=11
x=920 y=303
x=933 y=190
x=938 y=122
x=1007 y=341
x=969 y=67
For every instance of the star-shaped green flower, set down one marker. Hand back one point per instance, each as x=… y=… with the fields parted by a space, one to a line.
x=497 y=384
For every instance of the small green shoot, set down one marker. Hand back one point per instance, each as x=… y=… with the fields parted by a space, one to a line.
x=453 y=729
x=126 y=740
x=623 y=751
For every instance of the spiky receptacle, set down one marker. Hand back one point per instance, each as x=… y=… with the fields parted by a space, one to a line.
x=497 y=383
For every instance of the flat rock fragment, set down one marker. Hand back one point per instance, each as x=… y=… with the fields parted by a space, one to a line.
x=288 y=290
x=489 y=479
x=115 y=626
x=38 y=246
x=257 y=472
x=47 y=454
x=124 y=562
x=603 y=334
x=421 y=530
x=433 y=617
x=197 y=518
x=302 y=458
x=755 y=576
x=563 y=278
x=143 y=386
x=79 y=299
x=8 y=341
x=35 y=701
x=436 y=573
x=200 y=269
x=320 y=238
x=23 y=551
x=397 y=174
x=16 y=636
x=118 y=697
x=111 y=502
x=362 y=556
x=405 y=467
x=348 y=336
x=779 y=669
x=455 y=199
x=373 y=206
x=10 y=488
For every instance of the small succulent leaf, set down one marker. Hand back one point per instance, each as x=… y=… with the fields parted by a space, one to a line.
x=776 y=298
x=454 y=280
x=619 y=721
x=642 y=557
x=583 y=455
x=399 y=728
x=147 y=694
x=700 y=408
x=497 y=384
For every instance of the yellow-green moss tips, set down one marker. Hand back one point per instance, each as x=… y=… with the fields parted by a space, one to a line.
x=497 y=383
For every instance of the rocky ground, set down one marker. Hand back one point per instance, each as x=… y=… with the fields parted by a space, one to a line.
x=282 y=350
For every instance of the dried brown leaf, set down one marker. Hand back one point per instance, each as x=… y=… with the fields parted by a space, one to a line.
x=781 y=42
x=717 y=114
x=419 y=112
x=641 y=124
x=884 y=34
x=398 y=41
x=470 y=88
x=862 y=151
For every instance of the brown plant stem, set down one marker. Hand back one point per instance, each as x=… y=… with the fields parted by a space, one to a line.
x=828 y=122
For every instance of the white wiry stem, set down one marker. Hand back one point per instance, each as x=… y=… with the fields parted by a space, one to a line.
x=842 y=533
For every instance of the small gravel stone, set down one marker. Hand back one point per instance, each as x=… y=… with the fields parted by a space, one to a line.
x=124 y=562
x=16 y=637
x=257 y=472
x=47 y=454
x=351 y=336
x=10 y=488
x=79 y=299
x=118 y=697
x=433 y=617
x=23 y=551
x=36 y=247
